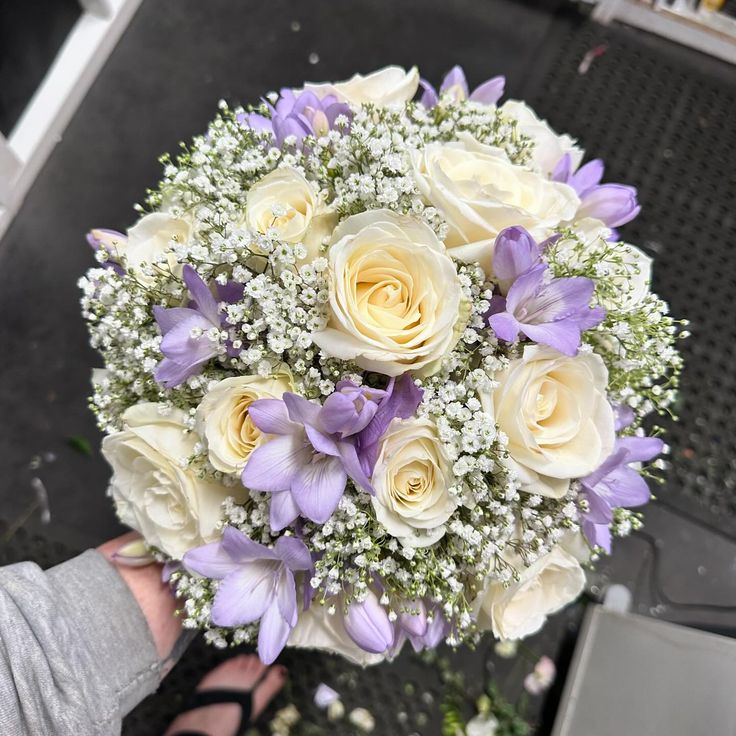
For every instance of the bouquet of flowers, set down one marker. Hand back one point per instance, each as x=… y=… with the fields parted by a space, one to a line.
x=376 y=367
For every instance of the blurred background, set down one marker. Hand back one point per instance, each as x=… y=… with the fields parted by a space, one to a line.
x=92 y=93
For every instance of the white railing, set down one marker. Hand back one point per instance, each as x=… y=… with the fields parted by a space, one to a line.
x=43 y=121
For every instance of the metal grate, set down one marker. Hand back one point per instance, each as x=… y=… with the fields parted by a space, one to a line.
x=668 y=128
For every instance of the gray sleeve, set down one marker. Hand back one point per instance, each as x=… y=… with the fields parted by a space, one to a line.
x=76 y=653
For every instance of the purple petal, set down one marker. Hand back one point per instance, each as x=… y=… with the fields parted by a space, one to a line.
x=301 y=410
x=562 y=170
x=429 y=98
x=515 y=252
x=599 y=510
x=623 y=416
x=437 y=630
x=368 y=625
x=272 y=635
x=170 y=374
x=283 y=510
x=490 y=91
x=614 y=204
x=274 y=465
x=563 y=335
x=294 y=553
x=230 y=292
x=168 y=319
x=599 y=535
x=505 y=326
x=318 y=488
x=201 y=294
x=286 y=597
x=640 y=449
x=210 y=561
x=244 y=595
x=555 y=300
x=242 y=549
x=351 y=463
x=271 y=416
x=259 y=123
x=414 y=624
x=624 y=487
x=455 y=78
x=403 y=397
x=587 y=177
x=321 y=442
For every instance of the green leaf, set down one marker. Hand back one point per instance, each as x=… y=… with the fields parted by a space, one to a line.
x=80 y=444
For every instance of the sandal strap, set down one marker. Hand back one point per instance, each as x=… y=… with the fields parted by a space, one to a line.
x=203 y=698
x=189 y=733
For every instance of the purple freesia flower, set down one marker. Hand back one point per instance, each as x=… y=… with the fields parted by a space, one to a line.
x=615 y=484
x=613 y=204
x=400 y=400
x=456 y=85
x=191 y=335
x=368 y=625
x=305 y=466
x=514 y=253
x=350 y=408
x=109 y=240
x=550 y=312
x=257 y=583
x=297 y=115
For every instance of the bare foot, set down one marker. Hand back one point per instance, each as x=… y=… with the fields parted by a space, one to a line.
x=238 y=673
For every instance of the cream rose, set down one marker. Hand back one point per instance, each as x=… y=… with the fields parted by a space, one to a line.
x=391 y=85
x=151 y=241
x=154 y=492
x=286 y=202
x=222 y=417
x=556 y=415
x=317 y=629
x=395 y=297
x=412 y=479
x=549 y=147
x=552 y=582
x=480 y=192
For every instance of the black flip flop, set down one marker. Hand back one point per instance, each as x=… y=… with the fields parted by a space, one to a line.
x=223 y=696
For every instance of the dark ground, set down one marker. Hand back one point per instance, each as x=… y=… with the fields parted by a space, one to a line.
x=662 y=118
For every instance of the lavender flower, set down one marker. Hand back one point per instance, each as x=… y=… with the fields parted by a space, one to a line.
x=550 y=312
x=191 y=335
x=257 y=583
x=368 y=625
x=456 y=86
x=613 y=204
x=305 y=467
x=350 y=408
x=514 y=253
x=614 y=484
x=298 y=115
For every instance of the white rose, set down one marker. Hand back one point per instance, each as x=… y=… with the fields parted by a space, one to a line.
x=154 y=491
x=286 y=202
x=395 y=297
x=317 y=629
x=391 y=85
x=412 y=479
x=554 y=410
x=223 y=421
x=151 y=241
x=480 y=192
x=552 y=582
x=549 y=147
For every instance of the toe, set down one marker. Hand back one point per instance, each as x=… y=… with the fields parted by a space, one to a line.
x=267 y=689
